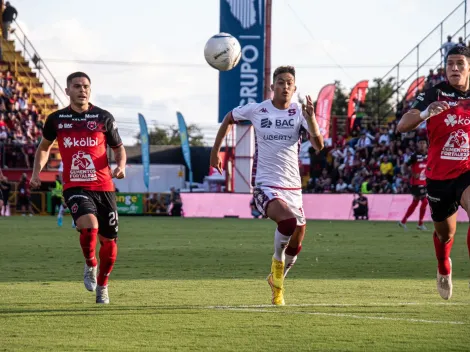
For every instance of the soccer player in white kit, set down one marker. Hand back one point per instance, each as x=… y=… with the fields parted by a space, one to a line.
x=278 y=125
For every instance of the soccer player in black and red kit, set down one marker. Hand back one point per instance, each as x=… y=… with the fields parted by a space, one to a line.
x=417 y=164
x=83 y=132
x=446 y=109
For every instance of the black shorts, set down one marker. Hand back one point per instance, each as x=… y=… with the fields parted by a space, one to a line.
x=418 y=191
x=444 y=196
x=24 y=201
x=99 y=203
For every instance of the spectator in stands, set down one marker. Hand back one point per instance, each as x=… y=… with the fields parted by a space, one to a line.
x=341 y=186
x=445 y=48
x=5 y=188
x=386 y=168
x=363 y=145
x=461 y=42
x=361 y=207
x=24 y=195
x=9 y=15
x=177 y=203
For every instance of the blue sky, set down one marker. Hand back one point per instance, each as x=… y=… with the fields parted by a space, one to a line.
x=313 y=35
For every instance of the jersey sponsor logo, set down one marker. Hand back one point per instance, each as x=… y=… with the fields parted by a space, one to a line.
x=457 y=146
x=92 y=125
x=266 y=123
x=83 y=168
x=114 y=125
x=291 y=112
x=420 y=97
x=276 y=137
x=80 y=142
x=65 y=116
x=453 y=120
x=285 y=124
x=91 y=116
x=64 y=125
x=444 y=94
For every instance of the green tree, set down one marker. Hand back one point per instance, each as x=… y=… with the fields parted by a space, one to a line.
x=380 y=98
x=170 y=136
x=340 y=101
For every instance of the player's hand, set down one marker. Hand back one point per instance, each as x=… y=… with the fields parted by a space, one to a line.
x=437 y=107
x=307 y=109
x=216 y=162
x=119 y=173
x=35 y=182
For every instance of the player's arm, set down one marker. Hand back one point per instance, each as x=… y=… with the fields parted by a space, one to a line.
x=49 y=134
x=241 y=113
x=224 y=129
x=316 y=138
x=113 y=139
x=422 y=109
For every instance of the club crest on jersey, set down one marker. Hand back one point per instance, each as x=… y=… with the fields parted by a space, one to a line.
x=92 y=125
x=266 y=123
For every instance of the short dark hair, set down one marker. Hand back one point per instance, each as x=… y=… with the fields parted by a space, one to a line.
x=283 y=69
x=459 y=50
x=77 y=75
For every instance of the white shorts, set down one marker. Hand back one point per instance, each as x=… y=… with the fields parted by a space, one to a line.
x=293 y=198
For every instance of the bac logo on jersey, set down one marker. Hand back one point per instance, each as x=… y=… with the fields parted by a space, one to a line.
x=92 y=125
x=80 y=142
x=266 y=123
x=65 y=125
x=285 y=123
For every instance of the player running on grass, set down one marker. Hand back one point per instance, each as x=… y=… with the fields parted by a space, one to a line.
x=417 y=165
x=278 y=125
x=83 y=132
x=446 y=108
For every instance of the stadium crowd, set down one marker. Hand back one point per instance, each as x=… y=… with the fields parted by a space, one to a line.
x=20 y=124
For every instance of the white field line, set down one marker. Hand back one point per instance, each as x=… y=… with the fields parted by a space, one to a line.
x=338 y=315
x=339 y=305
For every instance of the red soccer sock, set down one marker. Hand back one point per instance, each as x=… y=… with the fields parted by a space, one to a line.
x=88 y=239
x=108 y=254
x=410 y=210
x=422 y=210
x=468 y=241
x=442 y=254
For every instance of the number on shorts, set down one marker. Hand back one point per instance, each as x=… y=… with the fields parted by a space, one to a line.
x=113 y=218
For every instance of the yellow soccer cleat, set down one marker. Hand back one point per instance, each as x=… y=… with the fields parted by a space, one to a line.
x=276 y=281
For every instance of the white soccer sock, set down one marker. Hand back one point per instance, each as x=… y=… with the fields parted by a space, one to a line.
x=290 y=261
x=280 y=244
x=61 y=211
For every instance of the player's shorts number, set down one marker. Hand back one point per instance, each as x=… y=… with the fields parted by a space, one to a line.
x=113 y=218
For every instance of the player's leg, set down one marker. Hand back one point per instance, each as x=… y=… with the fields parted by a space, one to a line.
x=422 y=212
x=278 y=211
x=295 y=203
x=294 y=247
x=442 y=196
x=410 y=209
x=83 y=211
x=1 y=205
x=108 y=230
x=443 y=240
x=465 y=202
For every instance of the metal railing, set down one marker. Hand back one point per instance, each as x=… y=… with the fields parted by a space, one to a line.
x=51 y=85
x=426 y=54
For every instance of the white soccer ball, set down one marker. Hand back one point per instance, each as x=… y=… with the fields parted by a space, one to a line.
x=222 y=52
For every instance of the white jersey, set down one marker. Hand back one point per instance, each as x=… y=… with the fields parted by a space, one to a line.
x=277 y=138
